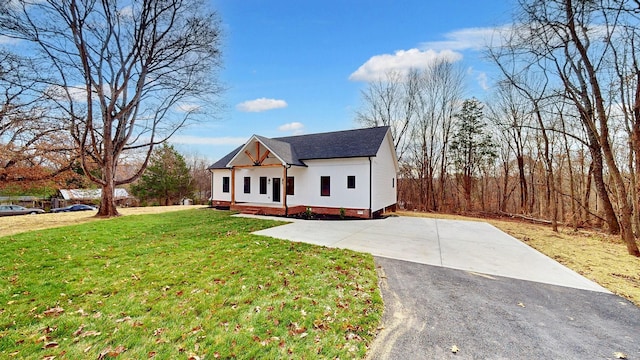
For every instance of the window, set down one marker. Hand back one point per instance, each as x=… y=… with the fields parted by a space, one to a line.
x=325 y=186
x=290 y=185
x=263 y=185
x=225 y=184
x=351 y=182
x=247 y=184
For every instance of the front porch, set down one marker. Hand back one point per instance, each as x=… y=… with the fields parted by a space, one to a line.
x=266 y=209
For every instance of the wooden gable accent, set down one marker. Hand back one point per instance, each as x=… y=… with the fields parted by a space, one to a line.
x=258 y=159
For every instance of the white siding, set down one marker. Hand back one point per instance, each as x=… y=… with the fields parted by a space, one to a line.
x=255 y=173
x=216 y=185
x=307 y=183
x=385 y=169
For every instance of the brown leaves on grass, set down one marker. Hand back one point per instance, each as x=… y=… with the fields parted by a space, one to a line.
x=319 y=324
x=53 y=312
x=111 y=352
x=50 y=345
x=82 y=334
x=295 y=329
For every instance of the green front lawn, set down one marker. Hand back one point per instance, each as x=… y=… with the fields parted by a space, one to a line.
x=190 y=284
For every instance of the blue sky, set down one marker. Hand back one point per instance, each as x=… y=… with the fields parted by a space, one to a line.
x=297 y=67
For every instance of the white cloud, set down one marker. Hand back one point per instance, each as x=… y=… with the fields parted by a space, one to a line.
x=126 y=12
x=483 y=80
x=197 y=140
x=378 y=66
x=468 y=39
x=296 y=127
x=261 y=104
x=76 y=93
x=8 y=40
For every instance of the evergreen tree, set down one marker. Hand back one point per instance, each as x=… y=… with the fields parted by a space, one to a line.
x=471 y=146
x=167 y=179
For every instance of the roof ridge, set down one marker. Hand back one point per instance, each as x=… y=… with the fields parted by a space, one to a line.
x=330 y=132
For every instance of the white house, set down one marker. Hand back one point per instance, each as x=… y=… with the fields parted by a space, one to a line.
x=352 y=172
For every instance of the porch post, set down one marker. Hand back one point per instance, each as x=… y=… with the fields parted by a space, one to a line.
x=284 y=187
x=233 y=185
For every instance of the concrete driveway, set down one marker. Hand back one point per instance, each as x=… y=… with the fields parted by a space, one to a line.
x=467 y=284
x=464 y=245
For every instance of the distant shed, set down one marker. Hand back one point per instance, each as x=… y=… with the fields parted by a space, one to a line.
x=90 y=196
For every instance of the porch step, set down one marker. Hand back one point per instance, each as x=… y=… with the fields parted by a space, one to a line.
x=251 y=211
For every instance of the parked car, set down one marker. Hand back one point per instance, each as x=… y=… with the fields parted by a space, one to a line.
x=76 y=207
x=9 y=210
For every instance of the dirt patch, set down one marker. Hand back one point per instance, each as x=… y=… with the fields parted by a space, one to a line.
x=10 y=225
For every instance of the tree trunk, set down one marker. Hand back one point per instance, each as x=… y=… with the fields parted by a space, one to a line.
x=108 y=204
x=467 y=183
x=587 y=195
x=625 y=209
x=613 y=227
x=524 y=194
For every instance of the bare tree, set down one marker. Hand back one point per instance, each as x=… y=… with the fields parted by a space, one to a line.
x=572 y=42
x=419 y=106
x=510 y=113
x=125 y=75
x=200 y=176
x=391 y=102
x=440 y=98
x=33 y=146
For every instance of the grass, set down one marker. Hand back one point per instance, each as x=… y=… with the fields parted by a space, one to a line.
x=597 y=256
x=190 y=284
x=10 y=225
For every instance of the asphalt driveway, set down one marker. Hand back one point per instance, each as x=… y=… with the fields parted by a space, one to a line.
x=430 y=309
x=467 y=284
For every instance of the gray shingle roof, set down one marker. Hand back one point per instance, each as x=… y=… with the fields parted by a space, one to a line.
x=331 y=145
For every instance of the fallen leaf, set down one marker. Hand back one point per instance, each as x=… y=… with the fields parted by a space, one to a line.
x=50 y=345
x=521 y=304
x=619 y=355
x=454 y=349
x=126 y=318
x=79 y=331
x=43 y=338
x=319 y=324
x=55 y=311
x=110 y=352
x=90 y=333
x=48 y=357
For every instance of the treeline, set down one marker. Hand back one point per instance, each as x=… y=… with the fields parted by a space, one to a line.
x=558 y=139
